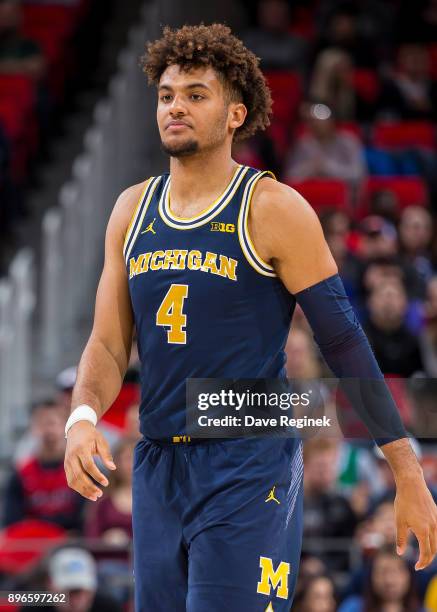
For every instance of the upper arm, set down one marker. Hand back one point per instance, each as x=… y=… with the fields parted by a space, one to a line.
x=113 y=317
x=286 y=231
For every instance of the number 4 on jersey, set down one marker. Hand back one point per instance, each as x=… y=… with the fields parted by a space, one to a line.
x=170 y=314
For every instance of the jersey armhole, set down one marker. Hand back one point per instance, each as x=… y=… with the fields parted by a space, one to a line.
x=247 y=246
x=138 y=215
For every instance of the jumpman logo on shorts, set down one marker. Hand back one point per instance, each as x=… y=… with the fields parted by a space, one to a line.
x=149 y=228
x=271 y=496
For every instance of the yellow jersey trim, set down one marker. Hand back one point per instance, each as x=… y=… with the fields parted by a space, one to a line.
x=247 y=246
x=145 y=200
x=135 y=213
x=208 y=213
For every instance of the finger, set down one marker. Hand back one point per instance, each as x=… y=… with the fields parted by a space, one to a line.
x=105 y=453
x=433 y=542
x=91 y=468
x=80 y=482
x=401 y=537
x=425 y=550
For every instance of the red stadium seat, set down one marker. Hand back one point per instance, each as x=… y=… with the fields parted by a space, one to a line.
x=61 y=19
x=402 y=134
x=115 y=416
x=24 y=543
x=323 y=193
x=408 y=190
x=366 y=84
x=286 y=88
x=18 y=87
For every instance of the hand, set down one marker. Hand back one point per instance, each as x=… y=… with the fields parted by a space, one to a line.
x=84 y=441
x=415 y=510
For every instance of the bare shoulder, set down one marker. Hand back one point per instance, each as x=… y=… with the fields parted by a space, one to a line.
x=123 y=210
x=280 y=216
x=126 y=204
x=274 y=201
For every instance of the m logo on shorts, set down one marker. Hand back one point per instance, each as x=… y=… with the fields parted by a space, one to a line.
x=271 y=578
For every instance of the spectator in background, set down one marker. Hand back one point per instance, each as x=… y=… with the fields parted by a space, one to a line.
x=302 y=361
x=410 y=93
x=336 y=227
x=325 y=152
x=379 y=249
x=332 y=83
x=428 y=337
x=415 y=234
x=110 y=518
x=27 y=444
x=328 y=513
x=379 y=238
x=358 y=35
x=272 y=41
x=390 y=588
x=317 y=594
x=18 y=54
x=396 y=348
x=384 y=203
x=38 y=487
x=73 y=571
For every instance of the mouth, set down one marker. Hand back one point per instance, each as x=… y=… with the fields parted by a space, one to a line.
x=176 y=125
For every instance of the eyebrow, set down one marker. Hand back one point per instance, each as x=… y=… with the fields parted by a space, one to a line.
x=190 y=86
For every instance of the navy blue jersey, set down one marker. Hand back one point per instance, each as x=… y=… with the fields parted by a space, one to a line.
x=205 y=304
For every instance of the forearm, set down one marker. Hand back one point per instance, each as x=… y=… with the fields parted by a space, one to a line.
x=347 y=352
x=403 y=461
x=99 y=378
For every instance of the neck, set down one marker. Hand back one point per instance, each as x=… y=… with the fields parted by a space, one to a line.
x=198 y=176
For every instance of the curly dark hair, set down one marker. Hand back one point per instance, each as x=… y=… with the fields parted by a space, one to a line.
x=214 y=45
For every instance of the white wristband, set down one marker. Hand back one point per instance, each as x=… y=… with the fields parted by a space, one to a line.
x=81 y=413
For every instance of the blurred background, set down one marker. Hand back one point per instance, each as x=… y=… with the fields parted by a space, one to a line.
x=354 y=130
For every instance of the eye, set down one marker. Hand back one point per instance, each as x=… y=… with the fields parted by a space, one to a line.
x=165 y=98
x=196 y=97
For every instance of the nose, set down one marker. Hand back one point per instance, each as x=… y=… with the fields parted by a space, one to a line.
x=177 y=108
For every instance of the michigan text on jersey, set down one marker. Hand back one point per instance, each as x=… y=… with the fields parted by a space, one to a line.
x=181 y=259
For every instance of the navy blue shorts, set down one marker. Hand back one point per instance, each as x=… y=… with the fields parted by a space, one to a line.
x=217 y=525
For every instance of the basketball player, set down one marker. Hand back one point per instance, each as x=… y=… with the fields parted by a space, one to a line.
x=208 y=262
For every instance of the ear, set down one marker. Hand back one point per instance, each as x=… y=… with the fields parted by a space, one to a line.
x=237 y=115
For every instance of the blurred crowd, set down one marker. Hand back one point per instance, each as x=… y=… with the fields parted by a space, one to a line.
x=42 y=68
x=354 y=89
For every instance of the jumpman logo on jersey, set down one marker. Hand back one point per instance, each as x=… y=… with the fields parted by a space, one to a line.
x=271 y=496
x=149 y=228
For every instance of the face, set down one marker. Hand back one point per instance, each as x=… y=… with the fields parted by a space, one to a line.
x=273 y=14
x=9 y=16
x=298 y=351
x=388 y=305
x=194 y=114
x=48 y=425
x=321 y=469
x=414 y=61
x=320 y=597
x=343 y=28
x=390 y=578
x=336 y=234
x=79 y=600
x=124 y=463
x=378 y=274
x=415 y=229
